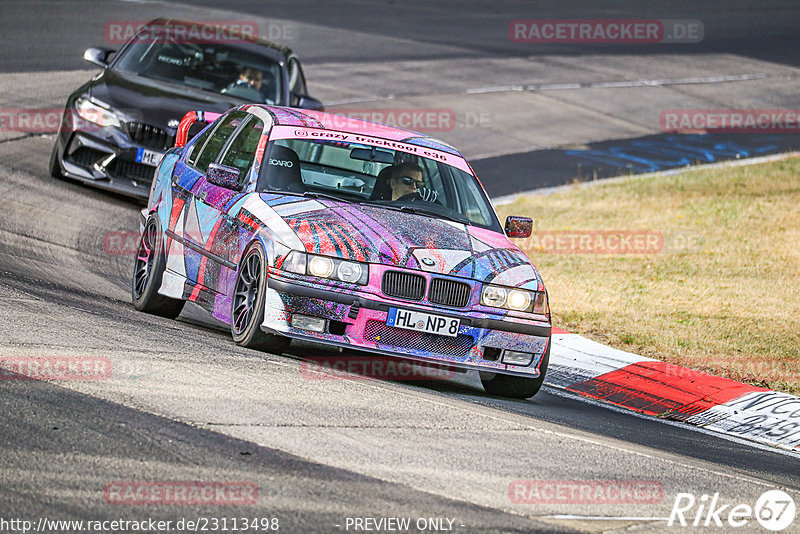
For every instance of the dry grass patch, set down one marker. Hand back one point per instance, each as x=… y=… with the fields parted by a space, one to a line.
x=720 y=296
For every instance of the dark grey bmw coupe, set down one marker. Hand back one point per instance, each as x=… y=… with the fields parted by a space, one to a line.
x=117 y=126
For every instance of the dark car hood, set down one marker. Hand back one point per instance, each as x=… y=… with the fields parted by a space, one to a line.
x=379 y=235
x=153 y=101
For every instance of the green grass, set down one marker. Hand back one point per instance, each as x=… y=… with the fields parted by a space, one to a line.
x=721 y=296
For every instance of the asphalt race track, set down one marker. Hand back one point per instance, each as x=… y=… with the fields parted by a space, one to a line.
x=183 y=403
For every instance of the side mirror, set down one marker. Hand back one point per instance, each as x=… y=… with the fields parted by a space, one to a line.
x=97 y=56
x=517 y=226
x=224 y=176
x=308 y=102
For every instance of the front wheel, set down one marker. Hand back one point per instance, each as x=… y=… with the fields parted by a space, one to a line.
x=148 y=271
x=247 y=306
x=518 y=387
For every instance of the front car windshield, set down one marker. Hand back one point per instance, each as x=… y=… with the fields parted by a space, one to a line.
x=356 y=172
x=215 y=67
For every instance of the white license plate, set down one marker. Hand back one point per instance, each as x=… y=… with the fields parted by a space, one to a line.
x=423 y=322
x=148 y=157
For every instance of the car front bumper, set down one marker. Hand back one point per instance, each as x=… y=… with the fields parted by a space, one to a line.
x=104 y=158
x=358 y=321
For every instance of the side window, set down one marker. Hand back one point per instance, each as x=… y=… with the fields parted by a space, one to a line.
x=242 y=150
x=473 y=206
x=297 y=82
x=432 y=177
x=218 y=138
x=197 y=146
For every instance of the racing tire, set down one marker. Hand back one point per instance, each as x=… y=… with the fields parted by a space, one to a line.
x=247 y=304
x=517 y=387
x=148 y=271
x=55 y=167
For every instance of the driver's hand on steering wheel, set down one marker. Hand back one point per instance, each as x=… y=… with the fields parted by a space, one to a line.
x=428 y=194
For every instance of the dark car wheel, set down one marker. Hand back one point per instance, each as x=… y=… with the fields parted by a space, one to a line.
x=517 y=387
x=247 y=308
x=148 y=270
x=55 y=167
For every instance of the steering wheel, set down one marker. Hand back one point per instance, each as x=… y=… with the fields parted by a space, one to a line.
x=423 y=194
x=410 y=197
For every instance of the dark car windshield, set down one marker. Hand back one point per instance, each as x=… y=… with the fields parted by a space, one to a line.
x=215 y=67
x=361 y=173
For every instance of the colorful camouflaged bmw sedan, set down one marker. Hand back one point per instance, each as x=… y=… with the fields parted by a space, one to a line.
x=296 y=224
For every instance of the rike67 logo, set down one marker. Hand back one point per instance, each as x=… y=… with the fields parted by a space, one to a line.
x=774 y=510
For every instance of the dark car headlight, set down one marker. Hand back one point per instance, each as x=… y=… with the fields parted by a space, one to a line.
x=352 y=272
x=511 y=298
x=96 y=113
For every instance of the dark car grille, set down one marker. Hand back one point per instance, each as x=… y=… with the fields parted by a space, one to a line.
x=403 y=285
x=449 y=293
x=383 y=334
x=149 y=136
x=133 y=170
x=85 y=157
x=412 y=287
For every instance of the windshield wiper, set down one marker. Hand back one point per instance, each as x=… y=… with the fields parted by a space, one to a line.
x=422 y=211
x=308 y=194
x=315 y=194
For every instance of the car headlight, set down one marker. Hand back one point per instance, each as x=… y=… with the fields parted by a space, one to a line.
x=352 y=272
x=321 y=266
x=518 y=300
x=96 y=114
x=510 y=298
x=494 y=296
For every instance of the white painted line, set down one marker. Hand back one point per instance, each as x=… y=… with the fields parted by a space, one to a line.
x=604 y=518
x=562 y=86
x=622 y=83
x=553 y=86
x=497 y=89
x=347 y=101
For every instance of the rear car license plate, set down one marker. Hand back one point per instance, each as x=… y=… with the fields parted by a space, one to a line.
x=423 y=322
x=148 y=157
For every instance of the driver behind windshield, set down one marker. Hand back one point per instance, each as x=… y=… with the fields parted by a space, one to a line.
x=248 y=77
x=248 y=86
x=407 y=180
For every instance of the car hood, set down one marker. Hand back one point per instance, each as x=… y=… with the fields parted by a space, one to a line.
x=154 y=102
x=379 y=235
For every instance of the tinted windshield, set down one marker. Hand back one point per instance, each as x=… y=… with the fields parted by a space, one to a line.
x=215 y=67
x=360 y=173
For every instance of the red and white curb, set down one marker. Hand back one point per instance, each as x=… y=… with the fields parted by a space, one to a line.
x=672 y=392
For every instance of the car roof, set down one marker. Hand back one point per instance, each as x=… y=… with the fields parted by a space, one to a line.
x=283 y=52
x=283 y=116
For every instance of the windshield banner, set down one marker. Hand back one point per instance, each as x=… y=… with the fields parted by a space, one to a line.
x=316 y=134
